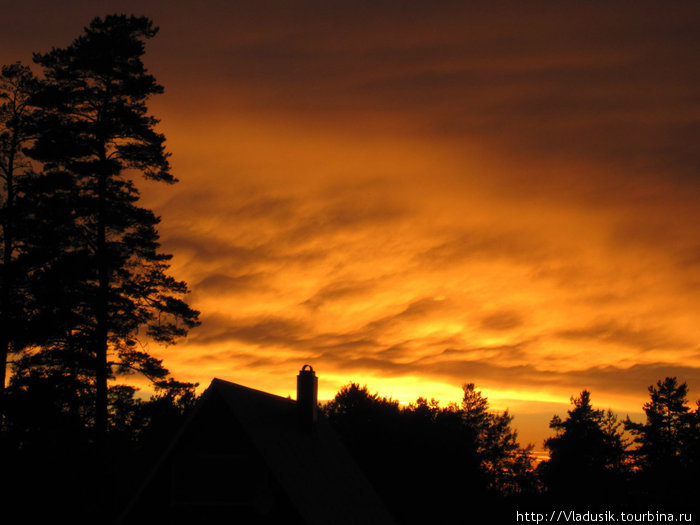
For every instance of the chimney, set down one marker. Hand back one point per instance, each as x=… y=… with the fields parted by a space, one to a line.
x=307 y=397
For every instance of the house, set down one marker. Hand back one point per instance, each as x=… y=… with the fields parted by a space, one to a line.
x=246 y=456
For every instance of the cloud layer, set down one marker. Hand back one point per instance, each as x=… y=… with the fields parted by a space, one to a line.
x=415 y=197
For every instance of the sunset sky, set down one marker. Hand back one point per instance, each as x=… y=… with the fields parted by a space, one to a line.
x=413 y=197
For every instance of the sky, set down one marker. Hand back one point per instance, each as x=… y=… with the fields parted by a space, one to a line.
x=413 y=196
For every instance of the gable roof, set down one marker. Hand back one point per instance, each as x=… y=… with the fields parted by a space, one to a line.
x=321 y=479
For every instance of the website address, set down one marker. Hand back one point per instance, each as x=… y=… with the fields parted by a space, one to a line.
x=565 y=516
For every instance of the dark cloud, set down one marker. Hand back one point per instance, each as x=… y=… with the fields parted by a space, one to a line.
x=263 y=229
x=247 y=359
x=264 y=331
x=605 y=84
x=487 y=244
x=209 y=248
x=340 y=290
x=279 y=332
x=339 y=215
x=498 y=353
x=218 y=284
x=414 y=311
x=608 y=379
x=502 y=320
x=250 y=205
x=645 y=338
x=342 y=346
x=565 y=81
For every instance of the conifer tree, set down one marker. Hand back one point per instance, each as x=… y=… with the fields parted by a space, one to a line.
x=587 y=454
x=95 y=133
x=661 y=438
x=17 y=84
x=668 y=443
x=505 y=463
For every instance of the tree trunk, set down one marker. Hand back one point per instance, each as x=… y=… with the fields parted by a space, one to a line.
x=101 y=321
x=101 y=336
x=7 y=281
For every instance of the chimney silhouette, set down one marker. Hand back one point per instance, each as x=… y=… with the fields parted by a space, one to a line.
x=307 y=397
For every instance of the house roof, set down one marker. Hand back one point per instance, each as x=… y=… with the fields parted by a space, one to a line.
x=321 y=479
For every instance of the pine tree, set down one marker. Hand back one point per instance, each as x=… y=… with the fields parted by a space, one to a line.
x=17 y=84
x=660 y=439
x=667 y=452
x=587 y=454
x=95 y=133
x=505 y=463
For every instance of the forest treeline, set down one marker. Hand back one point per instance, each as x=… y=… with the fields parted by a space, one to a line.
x=431 y=462
x=427 y=462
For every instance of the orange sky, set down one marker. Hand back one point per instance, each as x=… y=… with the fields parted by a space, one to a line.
x=412 y=198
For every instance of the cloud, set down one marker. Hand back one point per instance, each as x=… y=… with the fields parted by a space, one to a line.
x=219 y=284
x=413 y=312
x=640 y=338
x=563 y=82
x=608 y=379
x=599 y=379
x=487 y=244
x=340 y=290
x=502 y=320
x=209 y=248
x=265 y=331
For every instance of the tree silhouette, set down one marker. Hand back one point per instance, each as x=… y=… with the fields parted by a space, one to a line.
x=587 y=455
x=448 y=457
x=50 y=411
x=94 y=133
x=661 y=437
x=369 y=425
x=17 y=83
x=667 y=452
x=691 y=452
x=506 y=464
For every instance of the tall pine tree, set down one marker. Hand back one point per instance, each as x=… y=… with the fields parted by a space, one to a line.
x=17 y=84
x=95 y=133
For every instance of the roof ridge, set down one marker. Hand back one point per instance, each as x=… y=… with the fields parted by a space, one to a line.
x=228 y=384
